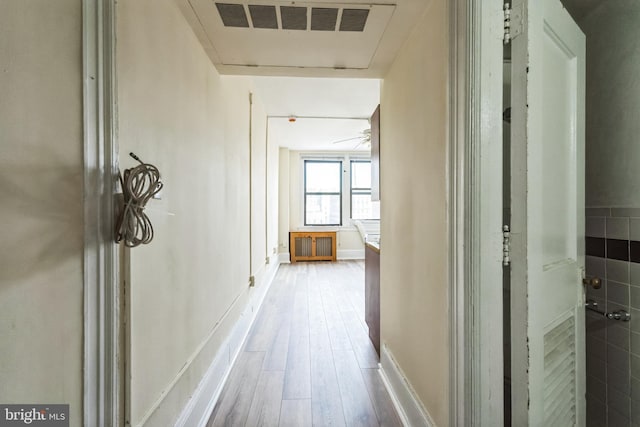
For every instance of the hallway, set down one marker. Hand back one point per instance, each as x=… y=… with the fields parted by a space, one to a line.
x=308 y=359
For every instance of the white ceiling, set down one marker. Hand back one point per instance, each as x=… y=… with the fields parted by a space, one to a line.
x=318 y=134
x=318 y=97
x=278 y=52
x=294 y=69
x=248 y=47
x=326 y=110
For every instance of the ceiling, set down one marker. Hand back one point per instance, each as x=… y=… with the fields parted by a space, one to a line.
x=319 y=60
x=320 y=38
x=318 y=134
x=318 y=97
x=325 y=110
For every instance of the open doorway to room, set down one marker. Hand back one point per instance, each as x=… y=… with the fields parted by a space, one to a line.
x=612 y=213
x=612 y=209
x=197 y=85
x=320 y=352
x=328 y=193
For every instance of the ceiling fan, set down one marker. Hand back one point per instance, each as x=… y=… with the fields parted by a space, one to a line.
x=363 y=139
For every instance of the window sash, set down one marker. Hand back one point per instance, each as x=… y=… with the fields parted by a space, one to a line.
x=357 y=191
x=321 y=193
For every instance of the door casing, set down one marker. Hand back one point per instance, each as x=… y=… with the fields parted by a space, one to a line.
x=102 y=374
x=475 y=194
x=475 y=394
x=476 y=285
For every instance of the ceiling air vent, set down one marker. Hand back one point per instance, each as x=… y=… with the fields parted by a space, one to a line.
x=323 y=19
x=263 y=16
x=232 y=15
x=293 y=18
x=354 y=19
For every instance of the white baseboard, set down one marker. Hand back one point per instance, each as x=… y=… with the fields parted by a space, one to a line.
x=346 y=254
x=198 y=408
x=204 y=398
x=411 y=411
x=284 y=258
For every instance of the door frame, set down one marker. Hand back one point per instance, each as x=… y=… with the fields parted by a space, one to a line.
x=103 y=396
x=475 y=130
x=475 y=194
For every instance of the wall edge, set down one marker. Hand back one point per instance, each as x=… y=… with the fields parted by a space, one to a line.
x=199 y=408
x=410 y=409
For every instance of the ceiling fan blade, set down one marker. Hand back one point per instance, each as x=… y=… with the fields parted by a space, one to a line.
x=348 y=139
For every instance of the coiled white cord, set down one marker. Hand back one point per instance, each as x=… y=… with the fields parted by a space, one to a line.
x=139 y=185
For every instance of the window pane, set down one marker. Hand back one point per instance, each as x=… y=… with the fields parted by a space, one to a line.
x=323 y=177
x=323 y=210
x=360 y=175
x=363 y=208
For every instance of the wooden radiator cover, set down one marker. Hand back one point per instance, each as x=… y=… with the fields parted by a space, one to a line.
x=312 y=246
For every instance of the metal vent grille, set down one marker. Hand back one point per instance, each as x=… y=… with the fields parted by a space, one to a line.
x=232 y=15
x=354 y=19
x=323 y=19
x=324 y=246
x=293 y=18
x=303 y=246
x=560 y=374
x=263 y=16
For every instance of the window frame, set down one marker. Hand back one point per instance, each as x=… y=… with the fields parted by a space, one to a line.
x=358 y=191
x=305 y=193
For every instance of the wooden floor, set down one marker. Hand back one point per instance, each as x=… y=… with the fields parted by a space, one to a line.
x=308 y=359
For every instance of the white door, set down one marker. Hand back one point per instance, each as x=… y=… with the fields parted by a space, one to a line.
x=547 y=196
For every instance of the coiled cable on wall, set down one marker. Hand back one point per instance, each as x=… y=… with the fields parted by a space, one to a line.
x=139 y=185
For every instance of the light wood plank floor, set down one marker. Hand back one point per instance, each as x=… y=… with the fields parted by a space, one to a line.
x=308 y=360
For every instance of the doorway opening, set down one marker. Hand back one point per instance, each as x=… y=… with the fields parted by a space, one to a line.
x=612 y=208
x=612 y=213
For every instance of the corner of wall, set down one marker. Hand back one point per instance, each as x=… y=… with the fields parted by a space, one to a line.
x=404 y=398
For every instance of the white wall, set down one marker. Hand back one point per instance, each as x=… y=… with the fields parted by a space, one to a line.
x=612 y=181
x=283 y=200
x=258 y=184
x=613 y=102
x=349 y=242
x=190 y=286
x=273 y=197
x=413 y=258
x=41 y=170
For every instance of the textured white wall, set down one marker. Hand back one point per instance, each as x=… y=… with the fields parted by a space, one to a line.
x=41 y=169
x=273 y=197
x=283 y=200
x=413 y=258
x=258 y=185
x=613 y=103
x=189 y=286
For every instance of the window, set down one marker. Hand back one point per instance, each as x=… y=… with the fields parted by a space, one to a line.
x=361 y=205
x=322 y=192
x=335 y=188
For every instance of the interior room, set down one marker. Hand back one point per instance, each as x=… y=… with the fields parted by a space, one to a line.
x=612 y=92
x=612 y=202
x=257 y=162
x=201 y=100
x=283 y=131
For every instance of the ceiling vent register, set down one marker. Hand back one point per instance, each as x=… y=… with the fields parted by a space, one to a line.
x=293 y=17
